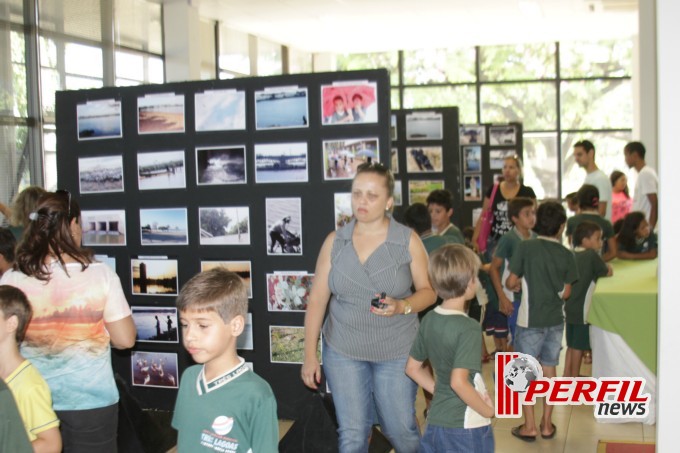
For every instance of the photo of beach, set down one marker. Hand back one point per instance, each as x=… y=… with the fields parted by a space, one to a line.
x=221 y=165
x=105 y=227
x=424 y=126
x=154 y=277
x=156 y=324
x=281 y=162
x=100 y=174
x=241 y=268
x=99 y=120
x=154 y=369
x=224 y=225
x=161 y=170
x=424 y=159
x=160 y=113
x=167 y=226
x=419 y=190
x=342 y=157
x=342 y=203
x=281 y=107
x=286 y=344
x=288 y=291
x=220 y=110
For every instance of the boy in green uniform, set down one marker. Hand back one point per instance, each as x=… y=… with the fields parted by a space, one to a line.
x=222 y=405
x=589 y=199
x=587 y=239
x=461 y=408
x=546 y=269
x=440 y=205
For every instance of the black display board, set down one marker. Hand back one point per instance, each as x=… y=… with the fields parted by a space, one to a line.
x=103 y=132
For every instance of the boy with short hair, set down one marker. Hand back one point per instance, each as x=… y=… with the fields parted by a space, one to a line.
x=461 y=407
x=440 y=205
x=30 y=390
x=221 y=402
x=587 y=239
x=548 y=269
x=522 y=213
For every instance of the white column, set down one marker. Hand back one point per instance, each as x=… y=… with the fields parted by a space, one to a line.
x=645 y=122
x=324 y=62
x=181 y=25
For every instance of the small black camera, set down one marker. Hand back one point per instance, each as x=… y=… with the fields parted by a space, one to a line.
x=377 y=302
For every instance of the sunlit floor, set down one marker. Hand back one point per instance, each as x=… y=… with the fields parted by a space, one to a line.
x=577 y=430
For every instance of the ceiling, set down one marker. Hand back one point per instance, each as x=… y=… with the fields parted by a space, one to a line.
x=344 y=26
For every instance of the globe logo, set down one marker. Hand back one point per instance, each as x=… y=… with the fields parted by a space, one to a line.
x=521 y=371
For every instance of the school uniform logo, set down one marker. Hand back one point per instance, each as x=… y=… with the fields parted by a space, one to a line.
x=223 y=424
x=519 y=381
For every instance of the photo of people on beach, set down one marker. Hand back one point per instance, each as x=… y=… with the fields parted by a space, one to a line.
x=472 y=158
x=286 y=344
x=284 y=226
x=161 y=170
x=423 y=159
x=472 y=134
x=419 y=190
x=342 y=202
x=104 y=227
x=154 y=276
x=349 y=103
x=221 y=165
x=220 y=110
x=154 y=369
x=497 y=157
x=241 y=268
x=502 y=135
x=99 y=120
x=224 y=225
x=166 y=226
x=342 y=157
x=160 y=113
x=424 y=126
x=281 y=107
x=156 y=324
x=100 y=174
x=281 y=162
x=288 y=291
x=473 y=188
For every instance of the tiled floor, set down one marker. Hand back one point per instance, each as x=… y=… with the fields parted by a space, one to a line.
x=577 y=430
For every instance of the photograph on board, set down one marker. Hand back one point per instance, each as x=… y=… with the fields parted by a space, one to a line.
x=156 y=324
x=342 y=157
x=281 y=108
x=349 y=102
x=221 y=165
x=154 y=276
x=99 y=120
x=281 y=162
x=472 y=158
x=419 y=190
x=220 y=110
x=154 y=369
x=286 y=344
x=161 y=170
x=502 y=135
x=164 y=226
x=473 y=187
x=224 y=225
x=424 y=159
x=160 y=113
x=100 y=174
x=243 y=269
x=472 y=134
x=424 y=126
x=288 y=291
x=104 y=227
x=284 y=226
x=342 y=202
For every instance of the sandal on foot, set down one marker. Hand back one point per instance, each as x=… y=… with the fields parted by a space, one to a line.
x=550 y=436
x=516 y=432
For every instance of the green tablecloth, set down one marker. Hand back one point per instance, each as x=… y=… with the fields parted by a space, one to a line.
x=626 y=304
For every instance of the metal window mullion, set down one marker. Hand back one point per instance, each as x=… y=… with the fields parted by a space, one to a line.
x=558 y=106
x=34 y=140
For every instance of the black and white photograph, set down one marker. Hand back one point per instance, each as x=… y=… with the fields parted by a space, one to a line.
x=349 y=102
x=424 y=126
x=156 y=324
x=104 y=227
x=224 y=225
x=419 y=190
x=472 y=134
x=497 y=158
x=501 y=135
x=161 y=170
x=99 y=120
x=284 y=226
x=394 y=160
x=164 y=226
x=160 y=113
x=281 y=107
x=241 y=268
x=342 y=202
x=154 y=276
x=342 y=157
x=221 y=165
x=245 y=340
x=286 y=344
x=472 y=159
x=424 y=159
x=393 y=127
x=281 y=162
x=288 y=291
x=154 y=369
x=100 y=174
x=220 y=110
x=473 y=188
x=397 y=194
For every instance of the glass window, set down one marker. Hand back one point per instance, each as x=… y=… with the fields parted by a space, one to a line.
x=48 y=52
x=299 y=62
x=156 y=70
x=129 y=65
x=462 y=96
x=234 y=51
x=138 y=25
x=427 y=66
x=12 y=11
x=597 y=104
x=269 y=60
x=517 y=62
x=82 y=83
x=83 y=60
x=540 y=163
x=532 y=104
x=17 y=96
x=50 y=158
x=395 y=104
x=80 y=18
x=357 y=61
x=50 y=83
x=596 y=59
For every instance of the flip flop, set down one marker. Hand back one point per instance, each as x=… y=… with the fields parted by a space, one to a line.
x=516 y=432
x=550 y=436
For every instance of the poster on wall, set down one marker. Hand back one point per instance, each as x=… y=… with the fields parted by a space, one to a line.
x=161 y=170
x=286 y=344
x=424 y=126
x=288 y=291
x=342 y=157
x=502 y=135
x=419 y=190
x=160 y=113
x=104 y=227
x=154 y=369
x=281 y=162
x=224 y=225
x=220 y=110
x=155 y=324
x=100 y=174
x=284 y=226
x=155 y=276
x=164 y=226
x=473 y=187
x=221 y=165
x=472 y=134
x=424 y=159
x=349 y=102
x=472 y=158
x=241 y=268
x=281 y=108
x=99 y=120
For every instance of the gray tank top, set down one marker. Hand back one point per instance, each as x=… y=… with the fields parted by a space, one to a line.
x=350 y=327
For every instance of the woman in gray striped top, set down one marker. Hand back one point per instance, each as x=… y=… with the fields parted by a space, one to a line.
x=366 y=347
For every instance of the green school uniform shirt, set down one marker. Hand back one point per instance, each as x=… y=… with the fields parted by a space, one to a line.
x=590 y=267
x=643 y=245
x=606 y=225
x=506 y=247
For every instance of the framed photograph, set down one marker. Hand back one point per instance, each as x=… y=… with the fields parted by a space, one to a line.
x=342 y=203
x=288 y=291
x=397 y=194
x=154 y=276
x=281 y=108
x=245 y=340
x=243 y=269
x=105 y=227
x=472 y=158
x=100 y=174
x=220 y=110
x=497 y=157
x=342 y=157
x=224 y=225
x=161 y=170
x=419 y=190
x=156 y=324
x=165 y=226
x=281 y=162
x=473 y=187
x=349 y=102
x=424 y=126
x=424 y=159
x=99 y=120
x=108 y=260
x=393 y=127
x=284 y=226
x=160 y=113
x=502 y=135
x=154 y=369
x=394 y=160
x=286 y=344
x=472 y=134
x=221 y=165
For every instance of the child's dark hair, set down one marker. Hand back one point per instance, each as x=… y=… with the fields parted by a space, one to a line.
x=588 y=197
x=441 y=197
x=550 y=216
x=515 y=206
x=217 y=290
x=617 y=226
x=13 y=302
x=380 y=170
x=630 y=224
x=584 y=230
x=417 y=217
x=7 y=244
x=614 y=177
